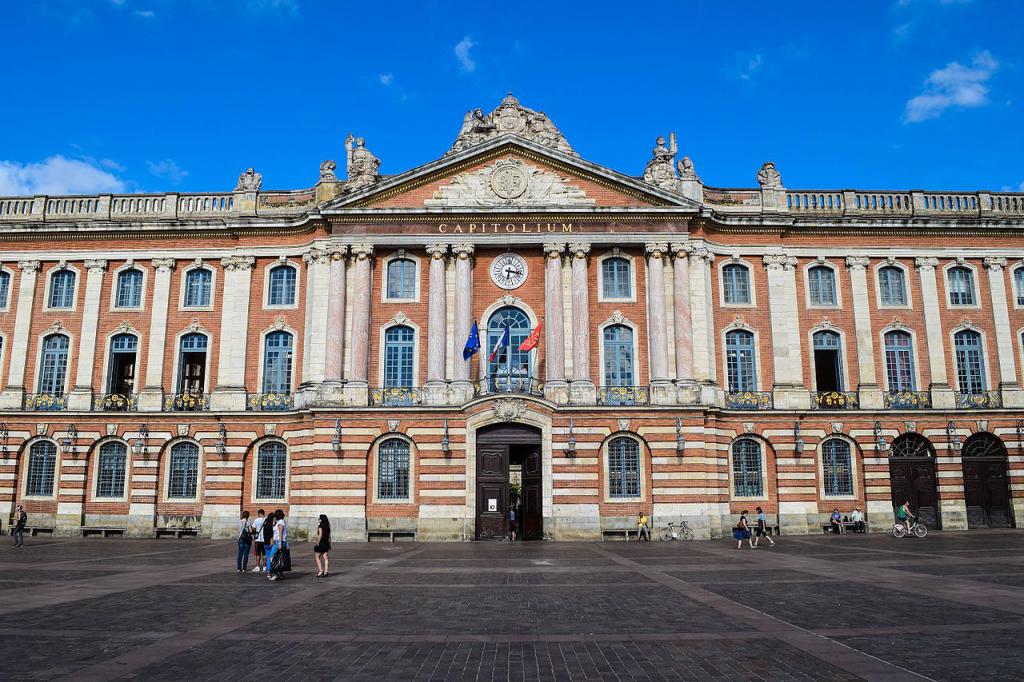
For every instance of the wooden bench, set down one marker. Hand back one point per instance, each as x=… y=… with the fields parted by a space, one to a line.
x=624 y=532
x=847 y=526
x=390 y=535
x=89 y=531
x=178 y=532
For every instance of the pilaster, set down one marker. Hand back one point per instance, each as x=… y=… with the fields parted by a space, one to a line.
x=14 y=391
x=80 y=397
x=942 y=393
x=151 y=396
x=556 y=389
x=870 y=394
x=435 y=392
x=662 y=392
x=1009 y=386
x=462 y=387
x=335 y=341
x=789 y=391
x=234 y=333
x=358 y=389
x=581 y=390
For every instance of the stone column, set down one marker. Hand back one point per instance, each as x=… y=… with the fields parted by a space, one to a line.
x=703 y=322
x=334 y=342
x=436 y=391
x=229 y=393
x=869 y=392
x=555 y=387
x=581 y=390
x=462 y=384
x=14 y=391
x=152 y=394
x=358 y=389
x=942 y=393
x=81 y=395
x=685 y=380
x=1008 y=384
x=789 y=392
x=657 y=328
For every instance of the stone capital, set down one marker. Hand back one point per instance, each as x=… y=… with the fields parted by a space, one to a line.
x=857 y=262
x=779 y=261
x=995 y=264
x=463 y=250
x=362 y=251
x=241 y=263
x=437 y=251
x=681 y=249
x=656 y=249
x=926 y=263
x=337 y=252
x=29 y=266
x=315 y=256
x=554 y=249
x=96 y=264
x=579 y=249
x=163 y=264
x=701 y=253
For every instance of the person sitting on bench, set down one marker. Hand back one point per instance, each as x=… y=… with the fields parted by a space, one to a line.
x=837 y=521
x=857 y=518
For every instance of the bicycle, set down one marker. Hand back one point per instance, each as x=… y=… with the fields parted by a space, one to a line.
x=670 y=532
x=918 y=529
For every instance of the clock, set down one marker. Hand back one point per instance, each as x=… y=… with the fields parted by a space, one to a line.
x=509 y=271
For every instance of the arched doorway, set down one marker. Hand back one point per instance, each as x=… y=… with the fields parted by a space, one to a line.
x=508 y=476
x=912 y=477
x=986 y=490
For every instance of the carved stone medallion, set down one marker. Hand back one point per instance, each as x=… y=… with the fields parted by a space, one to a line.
x=509 y=409
x=509 y=182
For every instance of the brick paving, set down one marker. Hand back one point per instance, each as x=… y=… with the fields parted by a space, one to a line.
x=950 y=607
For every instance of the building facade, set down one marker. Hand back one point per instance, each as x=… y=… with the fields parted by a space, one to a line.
x=167 y=360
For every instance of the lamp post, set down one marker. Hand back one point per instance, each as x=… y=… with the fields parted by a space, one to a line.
x=798 y=441
x=336 y=441
x=141 y=445
x=69 y=439
x=446 y=445
x=880 y=443
x=222 y=440
x=680 y=438
x=952 y=437
x=570 y=443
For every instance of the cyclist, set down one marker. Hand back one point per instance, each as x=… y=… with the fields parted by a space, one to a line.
x=904 y=515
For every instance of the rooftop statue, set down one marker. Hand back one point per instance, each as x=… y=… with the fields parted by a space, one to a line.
x=510 y=118
x=249 y=181
x=660 y=170
x=327 y=171
x=362 y=166
x=768 y=177
x=686 y=169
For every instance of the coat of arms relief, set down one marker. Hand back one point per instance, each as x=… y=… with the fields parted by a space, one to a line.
x=509 y=182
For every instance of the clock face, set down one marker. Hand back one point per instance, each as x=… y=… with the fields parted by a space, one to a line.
x=509 y=271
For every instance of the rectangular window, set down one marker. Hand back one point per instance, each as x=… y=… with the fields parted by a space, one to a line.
x=401 y=279
x=197 y=288
x=62 y=289
x=129 y=289
x=1018 y=281
x=891 y=286
x=282 y=286
x=739 y=361
x=736 y=284
x=616 y=278
x=961 y=286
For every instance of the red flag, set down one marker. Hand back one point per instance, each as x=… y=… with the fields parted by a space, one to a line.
x=533 y=339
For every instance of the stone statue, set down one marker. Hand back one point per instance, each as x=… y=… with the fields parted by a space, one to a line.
x=510 y=118
x=327 y=171
x=660 y=170
x=249 y=181
x=686 y=169
x=362 y=166
x=768 y=177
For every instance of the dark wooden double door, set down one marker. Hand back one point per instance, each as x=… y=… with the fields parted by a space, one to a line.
x=914 y=479
x=496 y=449
x=986 y=492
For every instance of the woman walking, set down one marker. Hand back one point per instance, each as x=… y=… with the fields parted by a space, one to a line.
x=742 y=532
x=322 y=547
x=761 y=531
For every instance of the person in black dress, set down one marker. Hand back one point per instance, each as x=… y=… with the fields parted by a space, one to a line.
x=322 y=547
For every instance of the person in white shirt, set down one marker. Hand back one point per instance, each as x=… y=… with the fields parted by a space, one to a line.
x=858 y=520
x=261 y=548
x=280 y=542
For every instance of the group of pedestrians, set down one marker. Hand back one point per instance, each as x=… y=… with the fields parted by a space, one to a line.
x=269 y=534
x=742 y=530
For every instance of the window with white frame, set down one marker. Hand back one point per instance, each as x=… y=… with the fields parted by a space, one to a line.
x=837 y=467
x=110 y=469
x=747 y=478
x=5 y=288
x=899 y=361
x=198 y=284
x=62 y=289
x=970 y=365
x=739 y=360
x=393 y=470
x=401 y=276
x=821 y=283
x=399 y=349
x=1018 y=286
x=616 y=280
x=277 y=362
x=183 y=471
x=736 y=284
x=623 y=467
x=42 y=463
x=54 y=370
x=129 y=289
x=892 y=286
x=618 y=356
x=961 y=286
x=281 y=286
x=271 y=471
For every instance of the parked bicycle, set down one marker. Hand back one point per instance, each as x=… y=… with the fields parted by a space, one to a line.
x=918 y=529
x=670 y=532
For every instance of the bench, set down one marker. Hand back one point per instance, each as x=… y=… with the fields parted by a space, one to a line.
x=847 y=527
x=624 y=532
x=89 y=531
x=32 y=531
x=390 y=535
x=178 y=532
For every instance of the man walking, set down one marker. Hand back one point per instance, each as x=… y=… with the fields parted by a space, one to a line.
x=20 y=521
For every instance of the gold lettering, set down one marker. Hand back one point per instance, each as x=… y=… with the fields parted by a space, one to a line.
x=458 y=228
x=472 y=228
x=510 y=228
x=566 y=227
x=443 y=227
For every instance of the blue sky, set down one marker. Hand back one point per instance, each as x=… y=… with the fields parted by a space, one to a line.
x=182 y=95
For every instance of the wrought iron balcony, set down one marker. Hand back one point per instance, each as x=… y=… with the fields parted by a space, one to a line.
x=396 y=396
x=187 y=402
x=269 y=402
x=623 y=395
x=979 y=400
x=115 y=402
x=835 y=400
x=907 y=400
x=45 y=402
x=749 y=400
x=501 y=384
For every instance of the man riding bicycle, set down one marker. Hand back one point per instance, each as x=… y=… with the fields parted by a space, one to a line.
x=904 y=515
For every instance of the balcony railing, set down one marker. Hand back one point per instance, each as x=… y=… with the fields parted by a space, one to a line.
x=187 y=402
x=979 y=400
x=835 y=400
x=748 y=400
x=45 y=402
x=500 y=384
x=396 y=396
x=623 y=395
x=907 y=400
x=269 y=402
x=115 y=402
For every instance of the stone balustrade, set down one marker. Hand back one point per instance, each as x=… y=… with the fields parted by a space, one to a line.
x=916 y=203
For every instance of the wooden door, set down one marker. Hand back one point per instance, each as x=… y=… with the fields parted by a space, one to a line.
x=491 y=491
x=914 y=480
x=986 y=493
x=533 y=503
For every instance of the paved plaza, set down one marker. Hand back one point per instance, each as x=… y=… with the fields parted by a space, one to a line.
x=950 y=607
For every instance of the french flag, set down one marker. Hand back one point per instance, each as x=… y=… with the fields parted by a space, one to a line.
x=500 y=346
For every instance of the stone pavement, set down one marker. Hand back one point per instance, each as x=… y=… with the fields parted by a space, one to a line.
x=949 y=607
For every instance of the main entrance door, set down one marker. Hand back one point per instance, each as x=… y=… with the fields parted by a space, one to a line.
x=508 y=476
x=912 y=477
x=986 y=490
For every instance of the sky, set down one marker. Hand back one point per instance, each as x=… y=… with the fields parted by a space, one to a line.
x=183 y=95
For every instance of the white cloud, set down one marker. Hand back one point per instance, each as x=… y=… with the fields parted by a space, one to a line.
x=954 y=85
x=168 y=170
x=462 y=54
x=56 y=175
x=902 y=32
x=752 y=66
x=261 y=6
x=145 y=14
x=386 y=78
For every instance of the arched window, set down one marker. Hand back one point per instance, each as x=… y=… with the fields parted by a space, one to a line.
x=53 y=376
x=828 y=361
x=129 y=289
x=961 y=286
x=42 y=462
x=183 y=471
x=277 y=362
x=198 y=283
x=399 y=347
x=747 y=480
x=5 y=288
x=271 y=471
x=618 y=356
x=911 y=446
x=62 y=289
x=739 y=360
x=110 y=469
x=121 y=367
x=192 y=364
x=508 y=361
x=837 y=467
x=393 y=470
x=282 y=286
x=736 y=284
x=899 y=361
x=892 y=287
x=401 y=278
x=615 y=278
x=822 y=285
x=1018 y=286
x=970 y=367
x=983 y=445
x=623 y=467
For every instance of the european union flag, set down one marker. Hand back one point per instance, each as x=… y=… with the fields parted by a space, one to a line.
x=472 y=343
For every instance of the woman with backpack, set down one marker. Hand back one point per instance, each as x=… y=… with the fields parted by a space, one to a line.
x=742 y=531
x=244 y=542
x=322 y=547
